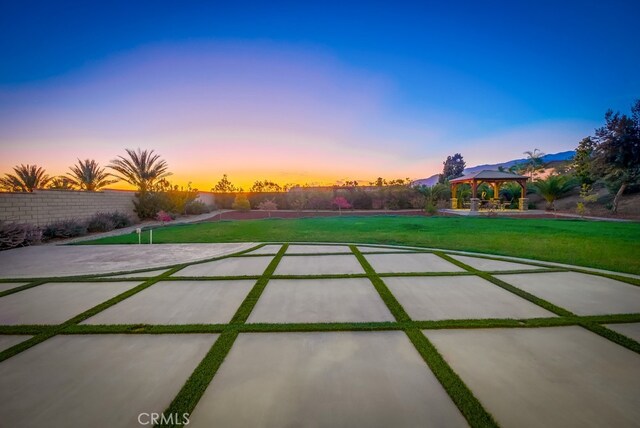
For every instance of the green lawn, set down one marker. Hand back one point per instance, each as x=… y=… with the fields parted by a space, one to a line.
x=606 y=245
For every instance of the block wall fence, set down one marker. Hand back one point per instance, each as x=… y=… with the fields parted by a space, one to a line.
x=47 y=206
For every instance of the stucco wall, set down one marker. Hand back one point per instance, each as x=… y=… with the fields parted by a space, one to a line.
x=46 y=206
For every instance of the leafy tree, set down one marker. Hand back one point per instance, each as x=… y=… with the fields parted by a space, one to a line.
x=265 y=186
x=241 y=203
x=27 y=178
x=225 y=186
x=533 y=163
x=583 y=161
x=87 y=175
x=453 y=167
x=342 y=203
x=142 y=169
x=617 y=150
x=379 y=182
x=553 y=187
x=268 y=205
x=61 y=183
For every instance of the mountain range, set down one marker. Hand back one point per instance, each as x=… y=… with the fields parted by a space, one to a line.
x=555 y=157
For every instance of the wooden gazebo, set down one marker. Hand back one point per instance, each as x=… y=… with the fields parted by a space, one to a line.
x=493 y=178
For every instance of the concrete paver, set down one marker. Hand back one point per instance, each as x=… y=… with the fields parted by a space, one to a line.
x=9 y=340
x=67 y=260
x=551 y=377
x=413 y=262
x=320 y=300
x=580 y=293
x=322 y=379
x=459 y=297
x=317 y=249
x=56 y=302
x=318 y=265
x=97 y=380
x=492 y=265
x=10 y=285
x=178 y=302
x=231 y=266
x=267 y=249
x=631 y=330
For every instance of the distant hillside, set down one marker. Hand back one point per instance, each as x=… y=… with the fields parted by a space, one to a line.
x=555 y=157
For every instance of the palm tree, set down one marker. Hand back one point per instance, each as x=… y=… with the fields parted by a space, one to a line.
x=27 y=178
x=142 y=168
x=553 y=187
x=61 y=183
x=89 y=176
x=534 y=163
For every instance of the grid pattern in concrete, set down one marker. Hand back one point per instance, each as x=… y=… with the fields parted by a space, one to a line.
x=359 y=338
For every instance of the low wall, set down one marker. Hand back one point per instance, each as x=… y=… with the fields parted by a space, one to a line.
x=46 y=206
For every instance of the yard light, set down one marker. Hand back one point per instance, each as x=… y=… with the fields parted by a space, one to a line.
x=139 y=232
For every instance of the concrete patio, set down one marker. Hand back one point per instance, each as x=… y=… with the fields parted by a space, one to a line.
x=312 y=335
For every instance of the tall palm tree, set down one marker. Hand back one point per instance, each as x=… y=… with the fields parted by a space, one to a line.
x=27 y=178
x=553 y=187
x=142 y=168
x=87 y=175
x=534 y=163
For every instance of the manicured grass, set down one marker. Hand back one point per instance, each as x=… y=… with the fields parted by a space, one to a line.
x=606 y=245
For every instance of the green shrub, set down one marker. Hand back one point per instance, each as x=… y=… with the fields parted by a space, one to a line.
x=64 y=229
x=361 y=200
x=149 y=204
x=196 y=207
x=430 y=208
x=14 y=235
x=241 y=203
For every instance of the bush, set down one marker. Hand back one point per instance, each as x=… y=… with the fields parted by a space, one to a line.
x=64 y=229
x=241 y=203
x=164 y=217
x=361 y=200
x=341 y=203
x=14 y=235
x=196 y=207
x=268 y=206
x=104 y=222
x=101 y=222
x=430 y=208
x=120 y=219
x=148 y=204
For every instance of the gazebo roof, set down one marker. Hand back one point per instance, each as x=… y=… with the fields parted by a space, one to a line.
x=487 y=175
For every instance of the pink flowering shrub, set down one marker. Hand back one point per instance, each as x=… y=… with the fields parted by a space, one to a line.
x=163 y=216
x=342 y=203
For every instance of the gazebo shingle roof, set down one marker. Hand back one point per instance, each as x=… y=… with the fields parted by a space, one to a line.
x=489 y=175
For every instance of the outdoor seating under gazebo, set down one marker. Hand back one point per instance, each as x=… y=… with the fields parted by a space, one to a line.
x=492 y=178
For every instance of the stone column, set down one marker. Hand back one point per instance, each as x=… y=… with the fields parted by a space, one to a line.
x=475 y=204
x=454 y=203
x=523 y=204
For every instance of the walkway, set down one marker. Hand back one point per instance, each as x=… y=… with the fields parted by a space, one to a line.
x=274 y=335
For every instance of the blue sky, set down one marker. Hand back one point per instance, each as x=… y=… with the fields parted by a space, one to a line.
x=488 y=79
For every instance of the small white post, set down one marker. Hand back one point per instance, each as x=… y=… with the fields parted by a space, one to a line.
x=150 y=236
x=139 y=232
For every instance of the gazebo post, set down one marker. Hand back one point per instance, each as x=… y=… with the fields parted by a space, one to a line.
x=523 y=203
x=454 y=196
x=496 y=192
x=475 y=202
